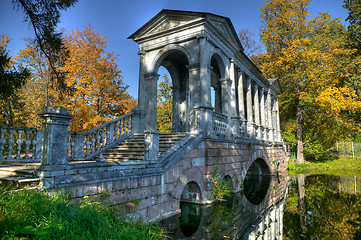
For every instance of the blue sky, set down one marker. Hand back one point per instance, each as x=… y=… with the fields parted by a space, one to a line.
x=118 y=19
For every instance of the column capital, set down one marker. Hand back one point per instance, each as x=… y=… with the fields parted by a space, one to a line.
x=203 y=36
x=151 y=76
x=226 y=81
x=192 y=67
x=141 y=51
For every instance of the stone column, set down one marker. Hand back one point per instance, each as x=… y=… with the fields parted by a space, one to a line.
x=150 y=98
x=241 y=108
x=263 y=114
x=194 y=92
x=278 y=128
x=55 y=136
x=256 y=111
x=203 y=120
x=151 y=145
x=235 y=122
x=266 y=129
x=226 y=104
x=141 y=85
x=274 y=119
x=54 y=155
x=138 y=121
x=205 y=73
x=270 y=116
x=250 y=123
x=232 y=96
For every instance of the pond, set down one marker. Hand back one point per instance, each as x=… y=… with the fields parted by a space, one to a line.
x=279 y=207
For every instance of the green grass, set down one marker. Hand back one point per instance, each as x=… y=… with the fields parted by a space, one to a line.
x=30 y=214
x=334 y=166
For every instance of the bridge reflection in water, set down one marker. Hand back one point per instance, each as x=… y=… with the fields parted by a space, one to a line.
x=254 y=213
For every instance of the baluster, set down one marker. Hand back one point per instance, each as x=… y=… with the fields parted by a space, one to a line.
x=27 y=143
x=34 y=143
x=123 y=127
x=87 y=146
x=110 y=134
x=93 y=146
x=2 y=143
x=102 y=140
x=98 y=144
x=19 y=142
x=10 y=144
x=129 y=125
x=116 y=131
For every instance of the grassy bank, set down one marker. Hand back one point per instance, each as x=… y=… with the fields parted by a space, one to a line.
x=336 y=166
x=34 y=215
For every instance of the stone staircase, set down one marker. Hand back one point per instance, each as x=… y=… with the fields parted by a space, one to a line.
x=132 y=149
x=19 y=175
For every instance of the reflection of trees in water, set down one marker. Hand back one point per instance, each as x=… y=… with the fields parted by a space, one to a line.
x=317 y=210
x=256 y=187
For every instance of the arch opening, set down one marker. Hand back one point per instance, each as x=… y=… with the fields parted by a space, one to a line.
x=257 y=181
x=191 y=193
x=174 y=63
x=190 y=213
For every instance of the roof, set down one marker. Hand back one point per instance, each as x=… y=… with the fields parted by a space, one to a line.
x=184 y=17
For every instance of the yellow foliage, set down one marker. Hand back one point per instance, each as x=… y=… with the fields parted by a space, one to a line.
x=340 y=99
x=98 y=92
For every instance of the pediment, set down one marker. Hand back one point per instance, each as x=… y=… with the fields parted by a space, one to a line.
x=225 y=27
x=275 y=83
x=165 y=21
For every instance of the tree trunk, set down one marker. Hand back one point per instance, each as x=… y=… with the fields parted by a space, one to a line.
x=299 y=128
x=302 y=205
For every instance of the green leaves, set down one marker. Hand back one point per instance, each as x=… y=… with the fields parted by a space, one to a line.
x=43 y=17
x=314 y=65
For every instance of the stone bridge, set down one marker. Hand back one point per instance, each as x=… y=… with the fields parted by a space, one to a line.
x=225 y=115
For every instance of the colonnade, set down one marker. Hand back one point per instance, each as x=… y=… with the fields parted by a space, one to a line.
x=205 y=55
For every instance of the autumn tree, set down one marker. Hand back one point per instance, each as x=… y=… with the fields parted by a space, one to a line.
x=164 y=105
x=11 y=80
x=305 y=57
x=34 y=95
x=98 y=92
x=354 y=42
x=43 y=17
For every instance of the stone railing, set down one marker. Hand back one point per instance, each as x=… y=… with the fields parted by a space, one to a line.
x=88 y=145
x=220 y=123
x=18 y=144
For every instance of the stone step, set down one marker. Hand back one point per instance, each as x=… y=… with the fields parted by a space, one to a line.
x=123 y=158
x=133 y=148
x=18 y=170
x=20 y=181
x=122 y=154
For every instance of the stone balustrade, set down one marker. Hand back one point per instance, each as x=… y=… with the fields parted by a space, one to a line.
x=18 y=144
x=220 y=123
x=87 y=145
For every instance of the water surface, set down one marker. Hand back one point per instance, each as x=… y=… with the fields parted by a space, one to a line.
x=282 y=207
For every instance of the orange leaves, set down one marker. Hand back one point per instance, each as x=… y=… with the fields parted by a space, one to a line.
x=99 y=93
